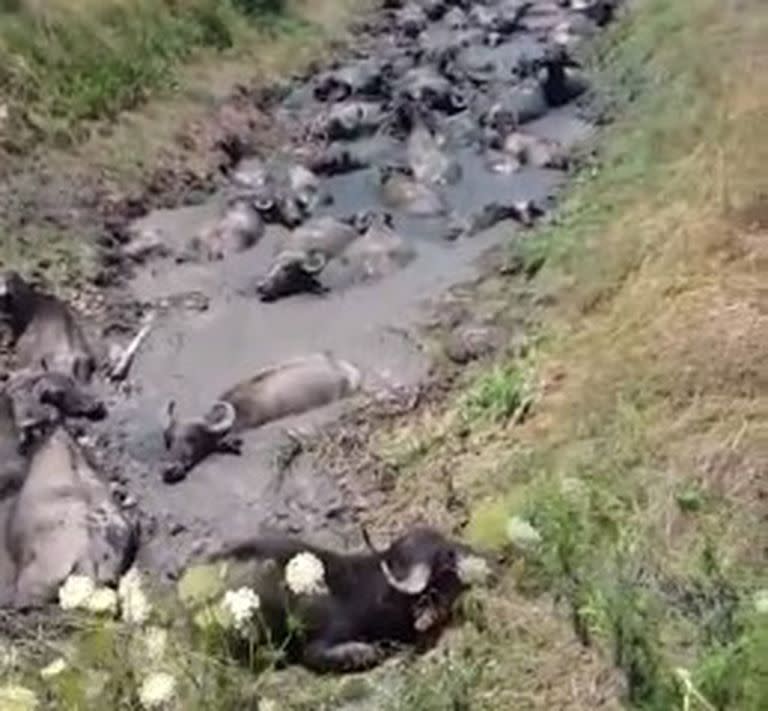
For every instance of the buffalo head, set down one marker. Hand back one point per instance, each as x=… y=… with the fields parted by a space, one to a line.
x=293 y=272
x=188 y=443
x=431 y=570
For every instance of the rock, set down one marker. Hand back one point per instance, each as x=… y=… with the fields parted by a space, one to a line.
x=466 y=344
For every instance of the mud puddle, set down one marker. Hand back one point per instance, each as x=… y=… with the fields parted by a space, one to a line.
x=228 y=334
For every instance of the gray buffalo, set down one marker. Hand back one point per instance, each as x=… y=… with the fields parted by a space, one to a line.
x=402 y=191
x=46 y=332
x=64 y=522
x=13 y=465
x=428 y=160
x=291 y=388
x=381 y=251
x=41 y=400
x=306 y=253
x=239 y=228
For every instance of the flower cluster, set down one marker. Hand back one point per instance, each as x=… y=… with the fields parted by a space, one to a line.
x=305 y=574
x=79 y=592
x=157 y=691
x=473 y=570
x=240 y=605
x=18 y=698
x=134 y=602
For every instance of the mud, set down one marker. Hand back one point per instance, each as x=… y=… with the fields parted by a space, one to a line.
x=211 y=332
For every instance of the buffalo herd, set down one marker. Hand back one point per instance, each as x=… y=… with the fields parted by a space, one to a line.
x=430 y=82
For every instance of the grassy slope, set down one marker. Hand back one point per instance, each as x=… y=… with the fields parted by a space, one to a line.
x=63 y=64
x=642 y=461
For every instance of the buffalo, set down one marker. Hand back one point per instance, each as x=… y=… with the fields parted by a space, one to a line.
x=365 y=604
x=64 y=522
x=291 y=388
x=46 y=332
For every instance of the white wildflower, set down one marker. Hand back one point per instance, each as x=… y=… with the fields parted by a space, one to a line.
x=241 y=604
x=521 y=533
x=268 y=705
x=155 y=643
x=305 y=574
x=157 y=691
x=9 y=657
x=133 y=600
x=102 y=601
x=17 y=698
x=473 y=570
x=56 y=667
x=75 y=592
x=761 y=602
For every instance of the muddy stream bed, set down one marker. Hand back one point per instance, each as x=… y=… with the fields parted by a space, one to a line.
x=214 y=330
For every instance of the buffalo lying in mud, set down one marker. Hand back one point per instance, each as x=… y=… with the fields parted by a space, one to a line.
x=402 y=191
x=356 y=608
x=13 y=465
x=236 y=230
x=46 y=332
x=281 y=192
x=349 y=253
x=307 y=251
x=64 y=521
x=291 y=388
x=42 y=399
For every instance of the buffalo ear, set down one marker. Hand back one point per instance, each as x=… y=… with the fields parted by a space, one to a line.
x=415 y=580
x=220 y=419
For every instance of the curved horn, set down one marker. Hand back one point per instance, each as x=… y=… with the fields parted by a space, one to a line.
x=221 y=417
x=314 y=262
x=367 y=540
x=414 y=583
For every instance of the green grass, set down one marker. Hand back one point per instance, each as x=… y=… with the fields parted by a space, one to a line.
x=639 y=461
x=65 y=63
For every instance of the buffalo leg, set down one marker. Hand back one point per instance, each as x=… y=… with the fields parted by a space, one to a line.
x=344 y=657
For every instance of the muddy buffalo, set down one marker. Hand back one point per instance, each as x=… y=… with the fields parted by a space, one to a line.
x=366 y=603
x=46 y=332
x=306 y=253
x=291 y=388
x=402 y=191
x=43 y=399
x=239 y=228
x=64 y=522
x=13 y=465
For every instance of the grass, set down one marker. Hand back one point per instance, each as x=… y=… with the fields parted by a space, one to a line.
x=641 y=462
x=65 y=63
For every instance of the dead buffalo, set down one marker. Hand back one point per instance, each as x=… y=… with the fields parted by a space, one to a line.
x=402 y=191
x=64 y=522
x=291 y=388
x=237 y=229
x=42 y=399
x=13 y=465
x=348 y=120
x=428 y=160
x=306 y=253
x=46 y=332
x=364 y=604
x=381 y=251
